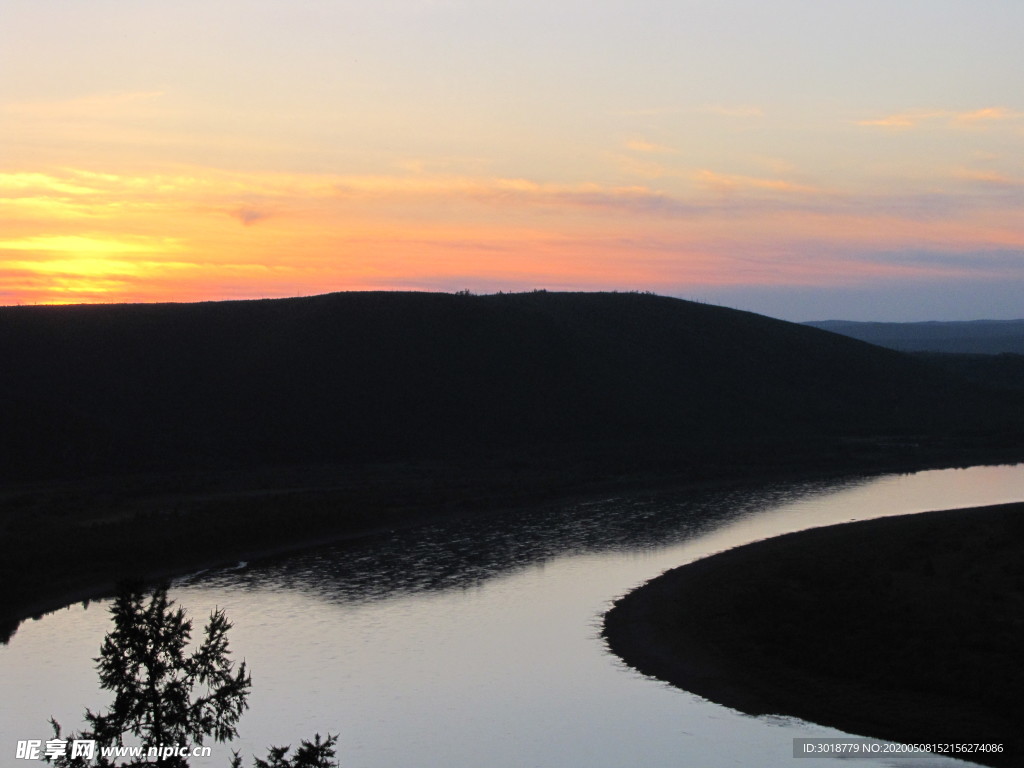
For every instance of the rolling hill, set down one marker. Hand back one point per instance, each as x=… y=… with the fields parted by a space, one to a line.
x=355 y=377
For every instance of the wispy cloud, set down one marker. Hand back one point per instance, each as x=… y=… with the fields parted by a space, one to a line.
x=91 y=245
x=17 y=184
x=901 y=120
x=988 y=115
x=28 y=200
x=81 y=234
x=505 y=191
x=946 y=118
x=647 y=147
x=723 y=182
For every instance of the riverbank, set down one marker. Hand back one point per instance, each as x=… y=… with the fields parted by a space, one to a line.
x=71 y=542
x=906 y=628
x=74 y=541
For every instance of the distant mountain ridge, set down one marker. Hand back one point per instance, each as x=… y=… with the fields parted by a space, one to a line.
x=377 y=376
x=988 y=337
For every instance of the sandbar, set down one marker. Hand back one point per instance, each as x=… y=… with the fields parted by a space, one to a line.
x=904 y=628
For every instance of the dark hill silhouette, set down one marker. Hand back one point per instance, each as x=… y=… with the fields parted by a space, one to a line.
x=988 y=337
x=382 y=376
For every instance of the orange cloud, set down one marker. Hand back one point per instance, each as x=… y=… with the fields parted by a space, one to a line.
x=90 y=245
x=86 y=235
x=989 y=114
x=947 y=117
x=901 y=120
x=14 y=184
x=639 y=145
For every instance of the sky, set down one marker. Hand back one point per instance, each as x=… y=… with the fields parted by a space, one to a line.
x=804 y=159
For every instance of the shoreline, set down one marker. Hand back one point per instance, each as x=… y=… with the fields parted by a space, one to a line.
x=157 y=528
x=52 y=597
x=903 y=628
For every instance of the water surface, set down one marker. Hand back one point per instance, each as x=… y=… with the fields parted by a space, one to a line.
x=458 y=646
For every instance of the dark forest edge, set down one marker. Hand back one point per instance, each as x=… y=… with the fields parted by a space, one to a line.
x=904 y=628
x=152 y=440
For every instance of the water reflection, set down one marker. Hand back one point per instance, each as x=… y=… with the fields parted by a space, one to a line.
x=464 y=553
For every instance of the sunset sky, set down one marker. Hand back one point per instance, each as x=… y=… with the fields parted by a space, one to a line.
x=807 y=159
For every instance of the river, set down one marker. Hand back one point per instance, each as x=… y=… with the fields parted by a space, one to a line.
x=459 y=646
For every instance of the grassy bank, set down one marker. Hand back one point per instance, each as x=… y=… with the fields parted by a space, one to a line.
x=906 y=628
